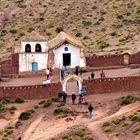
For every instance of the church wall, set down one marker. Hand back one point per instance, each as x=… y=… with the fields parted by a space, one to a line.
x=26 y=60
x=75 y=55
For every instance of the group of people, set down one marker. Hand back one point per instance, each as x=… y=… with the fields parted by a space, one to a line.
x=63 y=95
x=49 y=73
x=102 y=75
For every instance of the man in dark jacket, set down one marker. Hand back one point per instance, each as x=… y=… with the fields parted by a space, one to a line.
x=73 y=97
x=64 y=97
x=90 y=109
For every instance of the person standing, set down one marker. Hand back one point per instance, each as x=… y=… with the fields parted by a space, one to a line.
x=73 y=97
x=50 y=75
x=92 y=75
x=64 y=97
x=47 y=73
x=102 y=74
x=80 y=101
x=81 y=72
x=90 y=109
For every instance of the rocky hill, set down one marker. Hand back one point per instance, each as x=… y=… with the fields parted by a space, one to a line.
x=99 y=24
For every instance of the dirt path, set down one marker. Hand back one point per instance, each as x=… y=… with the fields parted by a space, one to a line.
x=46 y=129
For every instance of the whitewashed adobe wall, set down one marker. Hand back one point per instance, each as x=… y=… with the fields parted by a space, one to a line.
x=76 y=59
x=26 y=59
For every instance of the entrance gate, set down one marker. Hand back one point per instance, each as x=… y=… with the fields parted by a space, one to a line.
x=71 y=76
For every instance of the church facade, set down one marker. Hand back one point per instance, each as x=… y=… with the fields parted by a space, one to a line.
x=63 y=50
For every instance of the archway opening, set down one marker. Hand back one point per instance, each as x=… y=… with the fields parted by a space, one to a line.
x=28 y=48
x=72 y=83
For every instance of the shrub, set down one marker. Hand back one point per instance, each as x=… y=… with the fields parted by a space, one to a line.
x=13 y=108
x=31 y=111
x=18 y=124
x=8 y=131
x=94 y=7
x=5 y=138
x=107 y=129
x=136 y=129
x=2 y=108
x=78 y=34
x=3 y=33
x=87 y=137
x=25 y=116
x=36 y=106
x=13 y=31
x=133 y=117
x=127 y=100
x=80 y=132
x=66 y=135
x=19 y=100
x=86 y=23
x=103 y=45
x=47 y=103
x=61 y=110
x=42 y=102
x=55 y=99
x=30 y=30
x=125 y=124
x=116 y=121
x=59 y=29
x=113 y=33
x=106 y=124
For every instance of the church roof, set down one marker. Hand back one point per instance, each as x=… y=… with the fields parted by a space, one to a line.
x=61 y=38
x=34 y=36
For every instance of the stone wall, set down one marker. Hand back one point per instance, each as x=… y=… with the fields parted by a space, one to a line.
x=31 y=92
x=110 y=85
x=111 y=60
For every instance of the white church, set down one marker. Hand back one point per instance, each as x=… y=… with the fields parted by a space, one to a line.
x=38 y=54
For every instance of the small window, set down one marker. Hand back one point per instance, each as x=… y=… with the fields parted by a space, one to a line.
x=38 y=48
x=28 y=48
x=66 y=49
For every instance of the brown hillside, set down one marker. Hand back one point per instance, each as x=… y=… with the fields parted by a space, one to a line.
x=97 y=23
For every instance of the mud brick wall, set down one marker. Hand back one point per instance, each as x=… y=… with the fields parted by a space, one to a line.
x=31 y=92
x=109 y=85
x=102 y=61
x=135 y=58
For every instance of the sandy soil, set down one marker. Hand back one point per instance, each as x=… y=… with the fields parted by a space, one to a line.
x=45 y=125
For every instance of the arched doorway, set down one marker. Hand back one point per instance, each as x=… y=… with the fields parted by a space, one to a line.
x=74 y=77
x=126 y=58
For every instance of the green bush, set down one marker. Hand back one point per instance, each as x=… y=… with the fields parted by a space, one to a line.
x=107 y=129
x=18 y=124
x=30 y=30
x=136 y=130
x=3 y=33
x=59 y=29
x=61 y=110
x=41 y=102
x=133 y=117
x=94 y=7
x=36 y=106
x=2 y=108
x=127 y=100
x=87 y=137
x=116 y=121
x=86 y=23
x=55 y=99
x=5 y=138
x=12 y=108
x=78 y=34
x=113 y=33
x=80 y=132
x=47 y=103
x=31 y=111
x=7 y=100
x=19 y=100
x=13 y=31
x=8 y=131
x=25 y=116
x=66 y=135
x=125 y=124
x=106 y=124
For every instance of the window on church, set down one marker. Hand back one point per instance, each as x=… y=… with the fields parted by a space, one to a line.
x=66 y=49
x=28 y=48
x=38 y=48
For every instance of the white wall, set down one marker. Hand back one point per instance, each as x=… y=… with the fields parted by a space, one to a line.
x=43 y=44
x=75 y=56
x=26 y=60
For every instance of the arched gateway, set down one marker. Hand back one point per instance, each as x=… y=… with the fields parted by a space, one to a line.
x=71 y=76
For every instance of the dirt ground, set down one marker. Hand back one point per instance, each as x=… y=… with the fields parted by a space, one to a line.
x=123 y=72
x=44 y=125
